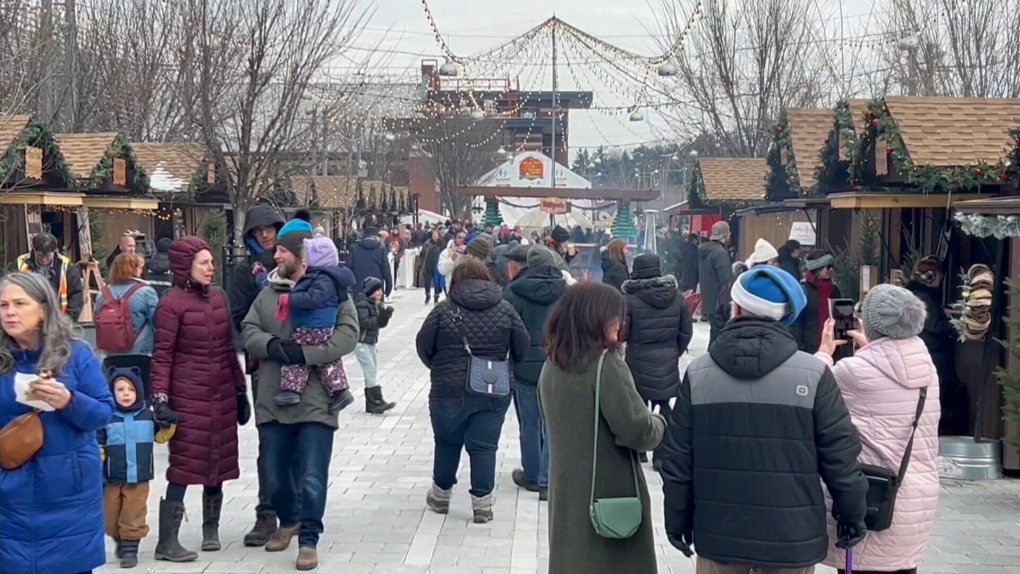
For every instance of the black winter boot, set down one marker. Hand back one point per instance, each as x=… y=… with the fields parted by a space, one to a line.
x=116 y=549
x=129 y=553
x=265 y=526
x=212 y=505
x=375 y=403
x=169 y=548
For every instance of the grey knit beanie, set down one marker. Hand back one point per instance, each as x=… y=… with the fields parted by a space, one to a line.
x=894 y=312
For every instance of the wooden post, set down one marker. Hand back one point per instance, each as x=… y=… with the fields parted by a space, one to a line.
x=91 y=274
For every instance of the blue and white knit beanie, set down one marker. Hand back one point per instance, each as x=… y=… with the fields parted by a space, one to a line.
x=769 y=292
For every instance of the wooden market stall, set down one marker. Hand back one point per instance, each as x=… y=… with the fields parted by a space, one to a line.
x=183 y=179
x=727 y=185
x=991 y=235
x=115 y=187
x=37 y=189
x=330 y=198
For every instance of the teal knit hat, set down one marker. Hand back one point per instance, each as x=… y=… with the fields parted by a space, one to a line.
x=292 y=235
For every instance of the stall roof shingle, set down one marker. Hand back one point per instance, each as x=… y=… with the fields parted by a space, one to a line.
x=733 y=179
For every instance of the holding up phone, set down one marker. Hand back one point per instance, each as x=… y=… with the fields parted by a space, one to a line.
x=841 y=311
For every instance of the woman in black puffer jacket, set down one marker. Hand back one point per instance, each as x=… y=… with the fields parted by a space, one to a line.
x=614 y=263
x=493 y=330
x=657 y=331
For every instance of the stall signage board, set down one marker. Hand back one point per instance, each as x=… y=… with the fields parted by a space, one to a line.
x=553 y=205
x=33 y=162
x=119 y=172
x=803 y=232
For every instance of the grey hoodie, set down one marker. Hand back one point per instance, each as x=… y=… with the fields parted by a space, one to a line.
x=260 y=326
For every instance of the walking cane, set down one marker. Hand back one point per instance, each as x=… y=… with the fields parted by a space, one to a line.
x=849 y=561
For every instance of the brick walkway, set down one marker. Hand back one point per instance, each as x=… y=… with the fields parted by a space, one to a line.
x=376 y=520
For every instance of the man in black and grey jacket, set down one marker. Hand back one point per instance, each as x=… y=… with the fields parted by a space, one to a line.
x=757 y=423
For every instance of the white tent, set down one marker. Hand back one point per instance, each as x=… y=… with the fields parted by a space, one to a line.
x=529 y=169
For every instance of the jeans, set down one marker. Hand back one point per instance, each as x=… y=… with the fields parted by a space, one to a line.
x=471 y=423
x=368 y=358
x=307 y=447
x=534 y=440
x=265 y=504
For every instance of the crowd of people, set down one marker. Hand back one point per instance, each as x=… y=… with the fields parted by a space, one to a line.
x=765 y=444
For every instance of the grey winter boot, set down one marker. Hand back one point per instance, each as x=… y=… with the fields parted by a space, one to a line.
x=212 y=505
x=168 y=547
x=265 y=526
x=129 y=554
x=375 y=404
x=482 y=507
x=438 y=500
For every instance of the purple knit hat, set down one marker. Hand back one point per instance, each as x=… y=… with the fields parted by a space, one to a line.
x=320 y=252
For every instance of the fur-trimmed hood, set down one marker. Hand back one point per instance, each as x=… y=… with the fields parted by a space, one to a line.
x=659 y=292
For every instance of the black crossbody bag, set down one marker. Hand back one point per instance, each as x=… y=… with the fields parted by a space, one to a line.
x=485 y=377
x=884 y=484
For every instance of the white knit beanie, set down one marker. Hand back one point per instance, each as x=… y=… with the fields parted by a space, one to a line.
x=763 y=253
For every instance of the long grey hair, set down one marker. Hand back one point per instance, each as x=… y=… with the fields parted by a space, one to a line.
x=57 y=328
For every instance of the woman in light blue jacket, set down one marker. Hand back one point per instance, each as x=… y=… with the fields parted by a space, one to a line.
x=126 y=273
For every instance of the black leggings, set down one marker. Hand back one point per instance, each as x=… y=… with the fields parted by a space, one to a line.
x=175 y=492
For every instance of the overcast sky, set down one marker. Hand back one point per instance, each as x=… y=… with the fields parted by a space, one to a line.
x=474 y=26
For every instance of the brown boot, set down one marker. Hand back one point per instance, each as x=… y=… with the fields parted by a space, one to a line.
x=307 y=558
x=280 y=540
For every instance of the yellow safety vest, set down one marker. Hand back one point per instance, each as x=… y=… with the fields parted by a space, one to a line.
x=24 y=265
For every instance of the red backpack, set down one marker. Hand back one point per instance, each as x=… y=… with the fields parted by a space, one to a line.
x=115 y=332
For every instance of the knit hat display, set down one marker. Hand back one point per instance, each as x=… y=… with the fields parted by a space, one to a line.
x=892 y=311
x=540 y=255
x=720 y=229
x=293 y=233
x=820 y=262
x=646 y=266
x=770 y=292
x=479 y=247
x=320 y=252
x=975 y=304
x=763 y=253
x=560 y=234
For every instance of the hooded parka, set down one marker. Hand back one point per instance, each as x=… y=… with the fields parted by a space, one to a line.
x=368 y=259
x=249 y=276
x=613 y=272
x=533 y=296
x=194 y=366
x=657 y=331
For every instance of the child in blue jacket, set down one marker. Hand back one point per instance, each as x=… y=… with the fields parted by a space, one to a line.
x=126 y=448
x=312 y=307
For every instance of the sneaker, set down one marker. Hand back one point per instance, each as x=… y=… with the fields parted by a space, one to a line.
x=287 y=398
x=341 y=401
x=518 y=476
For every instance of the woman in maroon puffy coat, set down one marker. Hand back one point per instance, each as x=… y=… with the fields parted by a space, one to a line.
x=197 y=383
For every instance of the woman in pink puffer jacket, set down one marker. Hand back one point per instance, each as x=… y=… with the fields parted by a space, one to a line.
x=881 y=386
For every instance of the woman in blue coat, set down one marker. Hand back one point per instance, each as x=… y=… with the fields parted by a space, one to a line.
x=51 y=508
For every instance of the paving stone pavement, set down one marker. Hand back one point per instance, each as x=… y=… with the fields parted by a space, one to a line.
x=376 y=521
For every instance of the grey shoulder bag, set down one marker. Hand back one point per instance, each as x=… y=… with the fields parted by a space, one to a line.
x=614 y=518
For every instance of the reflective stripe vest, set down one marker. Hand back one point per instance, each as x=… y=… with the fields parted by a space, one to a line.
x=24 y=265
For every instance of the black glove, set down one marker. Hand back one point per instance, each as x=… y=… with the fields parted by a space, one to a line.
x=165 y=417
x=285 y=352
x=275 y=350
x=849 y=534
x=682 y=543
x=387 y=311
x=243 y=408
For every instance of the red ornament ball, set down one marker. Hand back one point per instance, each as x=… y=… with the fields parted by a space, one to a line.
x=1004 y=176
x=779 y=129
x=888 y=150
x=977 y=171
x=874 y=123
x=1017 y=142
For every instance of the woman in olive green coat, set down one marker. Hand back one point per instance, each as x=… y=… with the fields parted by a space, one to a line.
x=581 y=325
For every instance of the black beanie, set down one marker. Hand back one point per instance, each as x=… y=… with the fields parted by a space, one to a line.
x=646 y=266
x=560 y=235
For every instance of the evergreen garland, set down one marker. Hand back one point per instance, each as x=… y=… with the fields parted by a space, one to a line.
x=997 y=226
x=103 y=171
x=1010 y=380
x=829 y=164
x=929 y=179
x=36 y=134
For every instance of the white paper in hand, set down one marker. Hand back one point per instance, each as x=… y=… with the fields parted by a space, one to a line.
x=21 y=383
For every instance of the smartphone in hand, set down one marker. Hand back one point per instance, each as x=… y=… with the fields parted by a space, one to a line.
x=842 y=312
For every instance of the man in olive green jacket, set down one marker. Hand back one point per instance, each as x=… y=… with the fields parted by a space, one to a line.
x=294 y=435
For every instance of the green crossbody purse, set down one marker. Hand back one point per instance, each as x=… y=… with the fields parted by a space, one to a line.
x=615 y=518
